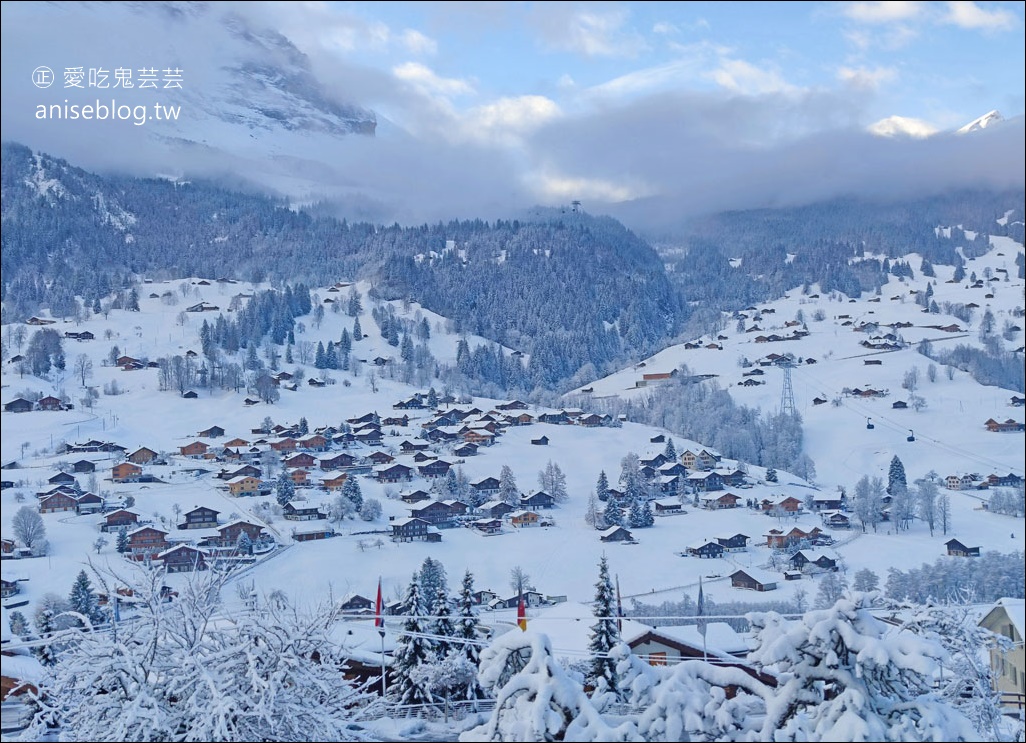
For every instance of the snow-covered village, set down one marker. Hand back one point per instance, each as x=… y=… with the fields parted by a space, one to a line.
x=278 y=463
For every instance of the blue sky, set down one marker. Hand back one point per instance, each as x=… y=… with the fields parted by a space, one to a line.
x=487 y=107
x=943 y=63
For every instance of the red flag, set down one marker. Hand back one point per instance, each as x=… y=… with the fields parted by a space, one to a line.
x=379 y=620
x=522 y=614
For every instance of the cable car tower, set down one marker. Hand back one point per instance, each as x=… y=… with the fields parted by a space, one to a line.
x=787 y=405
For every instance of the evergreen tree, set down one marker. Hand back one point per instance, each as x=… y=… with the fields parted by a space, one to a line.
x=432 y=578
x=244 y=544
x=442 y=624
x=605 y=634
x=670 y=452
x=602 y=487
x=357 y=331
x=412 y=651
x=771 y=474
x=284 y=489
x=466 y=630
x=613 y=514
x=351 y=491
x=640 y=515
x=896 y=477
x=508 y=491
x=121 y=545
x=82 y=599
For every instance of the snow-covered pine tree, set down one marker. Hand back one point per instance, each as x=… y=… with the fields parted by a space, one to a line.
x=432 y=579
x=670 y=452
x=896 y=478
x=508 y=491
x=843 y=674
x=351 y=490
x=83 y=600
x=284 y=489
x=466 y=630
x=442 y=625
x=605 y=633
x=121 y=545
x=412 y=650
x=602 y=487
x=613 y=514
x=535 y=699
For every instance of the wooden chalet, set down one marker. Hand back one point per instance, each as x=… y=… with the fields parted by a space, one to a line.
x=705 y=548
x=119 y=519
x=805 y=560
x=183 y=558
x=734 y=543
x=753 y=580
x=616 y=534
x=146 y=542
x=409 y=529
x=522 y=519
x=126 y=472
x=142 y=455
x=200 y=517
x=958 y=549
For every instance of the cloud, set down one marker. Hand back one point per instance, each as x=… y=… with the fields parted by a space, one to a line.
x=417 y=43
x=897 y=126
x=507 y=120
x=969 y=15
x=744 y=78
x=591 y=30
x=426 y=80
x=864 y=78
x=888 y=11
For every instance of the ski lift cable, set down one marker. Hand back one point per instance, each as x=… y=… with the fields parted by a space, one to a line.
x=897 y=426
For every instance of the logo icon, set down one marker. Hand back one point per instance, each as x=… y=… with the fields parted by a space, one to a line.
x=42 y=77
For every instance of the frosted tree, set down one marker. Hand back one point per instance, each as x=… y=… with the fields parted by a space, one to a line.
x=121 y=543
x=592 y=517
x=926 y=503
x=868 y=501
x=631 y=480
x=508 y=491
x=604 y=635
x=351 y=491
x=553 y=481
x=432 y=579
x=602 y=487
x=944 y=512
x=866 y=580
x=842 y=674
x=831 y=589
x=82 y=599
x=670 y=452
x=28 y=526
x=412 y=650
x=535 y=699
x=442 y=624
x=180 y=675
x=284 y=489
x=613 y=514
x=896 y=478
x=640 y=515
x=466 y=630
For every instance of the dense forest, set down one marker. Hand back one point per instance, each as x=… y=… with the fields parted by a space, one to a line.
x=580 y=295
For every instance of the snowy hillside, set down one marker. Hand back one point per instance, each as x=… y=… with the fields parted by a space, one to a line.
x=950 y=435
x=560 y=559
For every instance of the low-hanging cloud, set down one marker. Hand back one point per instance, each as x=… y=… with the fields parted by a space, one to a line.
x=442 y=150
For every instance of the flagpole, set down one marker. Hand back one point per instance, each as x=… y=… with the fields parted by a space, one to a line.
x=701 y=624
x=379 y=621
